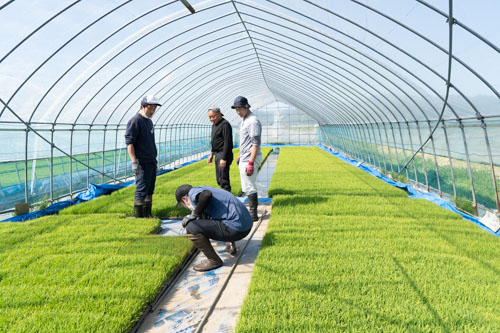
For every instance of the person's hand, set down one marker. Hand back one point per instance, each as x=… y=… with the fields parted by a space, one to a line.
x=135 y=167
x=222 y=164
x=250 y=168
x=209 y=160
x=238 y=160
x=189 y=218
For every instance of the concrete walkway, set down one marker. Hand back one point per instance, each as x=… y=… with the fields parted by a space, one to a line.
x=183 y=309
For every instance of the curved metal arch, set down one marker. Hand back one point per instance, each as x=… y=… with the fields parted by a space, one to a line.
x=349 y=80
x=226 y=82
x=161 y=68
x=320 y=92
x=183 y=104
x=397 y=48
x=276 y=63
x=59 y=49
x=32 y=33
x=249 y=36
x=135 y=60
x=158 y=70
x=364 y=55
x=343 y=52
x=432 y=43
x=341 y=84
x=95 y=47
x=158 y=81
x=203 y=75
x=359 y=69
x=461 y=25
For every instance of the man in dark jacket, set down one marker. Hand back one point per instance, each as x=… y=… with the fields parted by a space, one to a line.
x=141 y=147
x=215 y=214
x=222 y=147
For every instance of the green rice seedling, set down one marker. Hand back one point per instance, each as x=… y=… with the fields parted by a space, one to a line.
x=465 y=205
x=364 y=262
x=83 y=272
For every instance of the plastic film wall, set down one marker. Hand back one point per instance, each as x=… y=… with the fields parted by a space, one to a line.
x=408 y=86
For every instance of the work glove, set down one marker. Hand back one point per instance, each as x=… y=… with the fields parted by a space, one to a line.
x=189 y=218
x=238 y=160
x=135 y=167
x=249 y=168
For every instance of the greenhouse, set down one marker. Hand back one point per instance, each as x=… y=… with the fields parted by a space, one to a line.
x=377 y=165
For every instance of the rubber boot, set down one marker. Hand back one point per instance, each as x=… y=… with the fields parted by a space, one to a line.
x=253 y=202
x=203 y=244
x=231 y=248
x=148 y=204
x=139 y=209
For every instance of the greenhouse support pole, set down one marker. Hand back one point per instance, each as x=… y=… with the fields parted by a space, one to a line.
x=388 y=146
x=115 y=161
x=412 y=150
x=352 y=142
x=26 y=167
x=435 y=160
x=88 y=156
x=423 y=155
x=452 y=172
x=492 y=166
x=381 y=146
x=71 y=161
x=372 y=144
x=469 y=169
x=51 y=170
x=395 y=147
x=364 y=155
x=103 y=152
x=158 y=158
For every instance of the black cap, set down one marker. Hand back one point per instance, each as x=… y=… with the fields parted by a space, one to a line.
x=240 y=102
x=181 y=192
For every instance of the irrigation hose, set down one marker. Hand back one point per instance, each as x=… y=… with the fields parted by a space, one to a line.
x=451 y=21
x=219 y=294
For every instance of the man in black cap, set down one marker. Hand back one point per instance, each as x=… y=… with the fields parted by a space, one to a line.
x=141 y=147
x=222 y=147
x=250 y=155
x=228 y=220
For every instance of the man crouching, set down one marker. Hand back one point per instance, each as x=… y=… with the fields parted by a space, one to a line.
x=215 y=214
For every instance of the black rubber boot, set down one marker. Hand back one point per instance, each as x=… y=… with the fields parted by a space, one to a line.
x=148 y=204
x=138 y=210
x=203 y=244
x=253 y=202
x=231 y=248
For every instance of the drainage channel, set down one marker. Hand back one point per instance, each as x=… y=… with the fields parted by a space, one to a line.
x=211 y=301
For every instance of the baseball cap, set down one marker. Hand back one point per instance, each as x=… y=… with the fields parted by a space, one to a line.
x=182 y=191
x=240 y=102
x=215 y=109
x=149 y=100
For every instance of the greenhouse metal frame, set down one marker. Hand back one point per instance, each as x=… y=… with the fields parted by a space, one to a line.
x=387 y=83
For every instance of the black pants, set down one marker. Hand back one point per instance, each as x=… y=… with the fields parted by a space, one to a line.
x=145 y=180
x=216 y=230
x=222 y=175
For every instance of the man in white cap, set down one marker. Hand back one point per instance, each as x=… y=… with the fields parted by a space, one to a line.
x=141 y=147
x=250 y=155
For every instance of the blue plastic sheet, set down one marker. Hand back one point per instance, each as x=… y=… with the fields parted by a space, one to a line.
x=92 y=192
x=414 y=194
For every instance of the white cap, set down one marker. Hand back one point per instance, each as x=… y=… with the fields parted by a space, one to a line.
x=149 y=100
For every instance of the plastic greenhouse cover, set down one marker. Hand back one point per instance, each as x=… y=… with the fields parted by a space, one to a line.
x=414 y=194
x=92 y=192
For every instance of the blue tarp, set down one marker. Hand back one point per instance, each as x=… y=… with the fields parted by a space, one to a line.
x=414 y=194
x=92 y=192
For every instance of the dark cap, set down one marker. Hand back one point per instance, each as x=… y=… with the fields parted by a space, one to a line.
x=240 y=102
x=181 y=192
